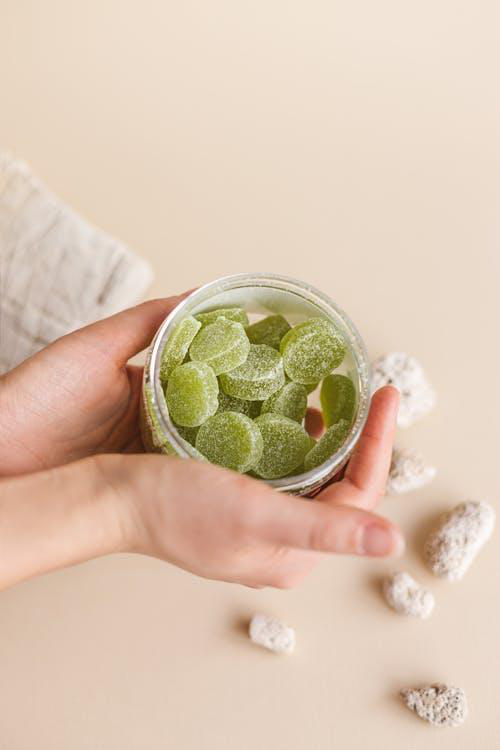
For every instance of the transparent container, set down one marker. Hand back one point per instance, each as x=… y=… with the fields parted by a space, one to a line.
x=259 y=294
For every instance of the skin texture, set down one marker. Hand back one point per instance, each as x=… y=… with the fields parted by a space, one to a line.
x=65 y=500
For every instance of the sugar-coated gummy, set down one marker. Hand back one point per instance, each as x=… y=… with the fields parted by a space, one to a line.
x=301 y=468
x=311 y=350
x=187 y=433
x=230 y=439
x=230 y=403
x=153 y=437
x=235 y=314
x=222 y=344
x=310 y=387
x=338 y=399
x=258 y=377
x=327 y=445
x=177 y=346
x=285 y=445
x=191 y=394
x=291 y=401
x=268 y=331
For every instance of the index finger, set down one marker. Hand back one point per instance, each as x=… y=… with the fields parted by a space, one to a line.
x=366 y=474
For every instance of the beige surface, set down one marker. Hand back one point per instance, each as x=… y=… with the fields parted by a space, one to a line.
x=351 y=144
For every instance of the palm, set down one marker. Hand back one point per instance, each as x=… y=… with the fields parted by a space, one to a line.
x=78 y=396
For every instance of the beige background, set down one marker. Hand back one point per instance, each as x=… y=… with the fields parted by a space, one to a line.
x=351 y=144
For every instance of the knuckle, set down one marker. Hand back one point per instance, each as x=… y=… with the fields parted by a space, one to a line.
x=322 y=536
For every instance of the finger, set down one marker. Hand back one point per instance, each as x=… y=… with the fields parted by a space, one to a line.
x=314 y=422
x=301 y=524
x=127 y=333
x=366 y=474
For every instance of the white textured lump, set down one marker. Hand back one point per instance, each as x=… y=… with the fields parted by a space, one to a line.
x=406 y=374
x=409 y=471
x=438 y=704
x=407 y=597
x=272 y=634
x=452 y=547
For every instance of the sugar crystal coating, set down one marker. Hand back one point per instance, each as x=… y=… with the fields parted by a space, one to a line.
x=403 y=594
x=408 y=471
x=452 y=547
x=187 y=433
x=310 y=387
x=177 y=346
x=258 y=377
x=272 y=634
x=230 y=439
x=338 y=399
x=285 y=445
x=406 y=374
x=222 y=344
x=327 y=445
x=191 y=394
x=290 y=401
x=268 y=331
x=236 y=314
x=230 y=403
x=301 y=468
x=311 y=350
x=438 y=704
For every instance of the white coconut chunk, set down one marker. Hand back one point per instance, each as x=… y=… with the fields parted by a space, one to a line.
x=409 y=471
x=406 y=596
x=272 y=634
x=407 y=375
x=452 y=547
x=438 y=704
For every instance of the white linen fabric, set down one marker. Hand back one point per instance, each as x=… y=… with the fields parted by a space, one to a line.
x=57 y=271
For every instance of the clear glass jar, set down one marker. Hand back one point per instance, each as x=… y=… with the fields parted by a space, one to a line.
x=259 y=294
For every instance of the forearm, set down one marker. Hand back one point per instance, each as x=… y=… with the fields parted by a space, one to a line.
x=56 y=518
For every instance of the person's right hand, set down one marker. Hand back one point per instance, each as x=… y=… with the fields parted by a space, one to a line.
x=221 y=525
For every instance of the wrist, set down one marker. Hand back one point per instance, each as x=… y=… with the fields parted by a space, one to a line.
x=56 y=518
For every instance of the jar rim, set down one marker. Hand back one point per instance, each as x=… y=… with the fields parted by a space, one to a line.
x=300 y=484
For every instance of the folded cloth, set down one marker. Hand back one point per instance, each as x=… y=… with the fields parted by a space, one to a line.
x=57 y=271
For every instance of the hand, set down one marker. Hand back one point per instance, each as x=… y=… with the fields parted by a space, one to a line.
x=204 y=519
x=78 y=396
x=221 y=525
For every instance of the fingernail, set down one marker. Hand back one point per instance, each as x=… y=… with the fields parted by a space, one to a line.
x=378 y=540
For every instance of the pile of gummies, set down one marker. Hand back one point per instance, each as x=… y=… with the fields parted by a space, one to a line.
x=237 y=392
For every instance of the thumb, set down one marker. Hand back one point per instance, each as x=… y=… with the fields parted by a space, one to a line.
x=342 y=529
x=127 y=333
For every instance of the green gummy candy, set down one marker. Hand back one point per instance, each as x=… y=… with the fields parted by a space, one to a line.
x=232 y=440
x=177 y=346
x=236 y=314
x=230 y=403
x=187 y=433
x=285 y=445
x=191 y=394
x=329 y=444
x=311 y=350
x=268 y=331
x=301 y=469
x=338 y=399
x=258 y=377
x=222 y=344
x=290 y=401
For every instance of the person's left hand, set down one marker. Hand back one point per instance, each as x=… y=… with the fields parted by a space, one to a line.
x=78 y=396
